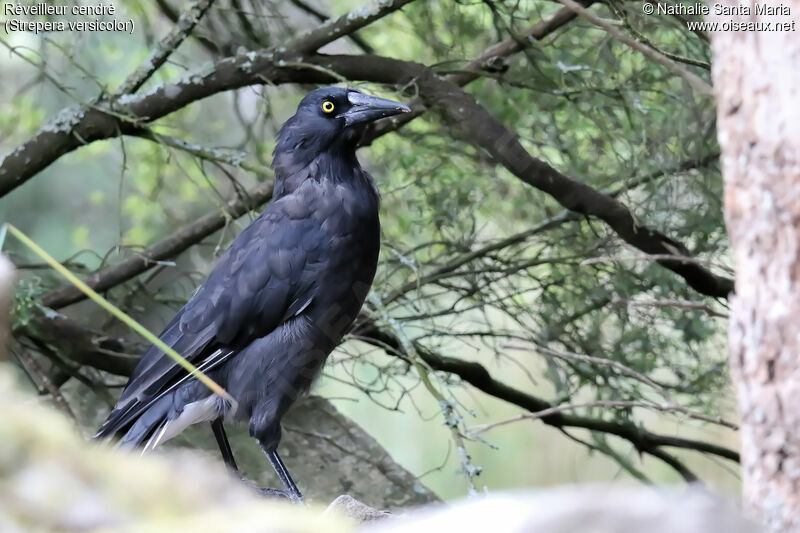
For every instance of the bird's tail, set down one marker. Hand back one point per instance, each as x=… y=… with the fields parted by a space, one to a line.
x=148 y=424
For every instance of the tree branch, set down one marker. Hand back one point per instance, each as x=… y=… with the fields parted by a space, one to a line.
x=478 y=126
x=80 y=345
x=624 y=404
x=696 y=82
x=344 y=25
x=473 y=69
x=74 y=127
x=85 y=347
x=170 y=12
x=476 y=375
x=461 y=109
x=183 y=27
x=322 y=17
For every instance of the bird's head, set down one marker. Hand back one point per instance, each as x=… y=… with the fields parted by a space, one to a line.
x=332 y=117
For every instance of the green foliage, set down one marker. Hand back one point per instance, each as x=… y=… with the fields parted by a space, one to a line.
x=26 y=301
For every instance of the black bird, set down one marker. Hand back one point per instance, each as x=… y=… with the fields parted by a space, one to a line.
x=281 y=297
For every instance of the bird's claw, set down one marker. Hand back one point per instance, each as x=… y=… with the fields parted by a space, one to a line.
x=278 y=493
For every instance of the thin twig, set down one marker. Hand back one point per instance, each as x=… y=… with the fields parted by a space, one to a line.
x=183 y=27
x=235 y=159
x=647 y=51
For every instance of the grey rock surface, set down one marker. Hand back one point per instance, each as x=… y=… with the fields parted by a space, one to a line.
x=52 y=479
x=578 y=509
x=355 y=510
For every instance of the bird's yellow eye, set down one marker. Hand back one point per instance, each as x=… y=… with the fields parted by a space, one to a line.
x=327 y=106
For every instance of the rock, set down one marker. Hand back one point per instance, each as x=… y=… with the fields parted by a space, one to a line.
x=355 y=510
x=51 y=479
x=580 y=509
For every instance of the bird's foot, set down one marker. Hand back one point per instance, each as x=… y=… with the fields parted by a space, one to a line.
x=278 y=493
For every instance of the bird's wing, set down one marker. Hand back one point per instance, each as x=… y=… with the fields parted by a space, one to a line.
x=262 y=280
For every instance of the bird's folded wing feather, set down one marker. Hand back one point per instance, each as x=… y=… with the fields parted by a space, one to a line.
x=262 y=280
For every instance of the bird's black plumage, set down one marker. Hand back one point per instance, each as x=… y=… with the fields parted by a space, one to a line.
x=284 y=293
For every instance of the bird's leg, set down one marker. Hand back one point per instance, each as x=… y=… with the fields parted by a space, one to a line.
x=290 y=489
x=224 y=445
x=280 y=469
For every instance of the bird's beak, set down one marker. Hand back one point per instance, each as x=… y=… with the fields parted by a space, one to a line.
x=366 y=108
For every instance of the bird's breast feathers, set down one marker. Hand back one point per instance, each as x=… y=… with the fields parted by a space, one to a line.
x=325 y=200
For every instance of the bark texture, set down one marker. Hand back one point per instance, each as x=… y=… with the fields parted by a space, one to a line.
x=756 y=77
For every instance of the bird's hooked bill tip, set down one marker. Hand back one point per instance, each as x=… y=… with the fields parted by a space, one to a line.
x=366 y=108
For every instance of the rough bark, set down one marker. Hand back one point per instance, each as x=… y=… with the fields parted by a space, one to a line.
x=757 y=80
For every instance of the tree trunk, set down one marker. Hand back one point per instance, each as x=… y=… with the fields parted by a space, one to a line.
x=756 y=76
